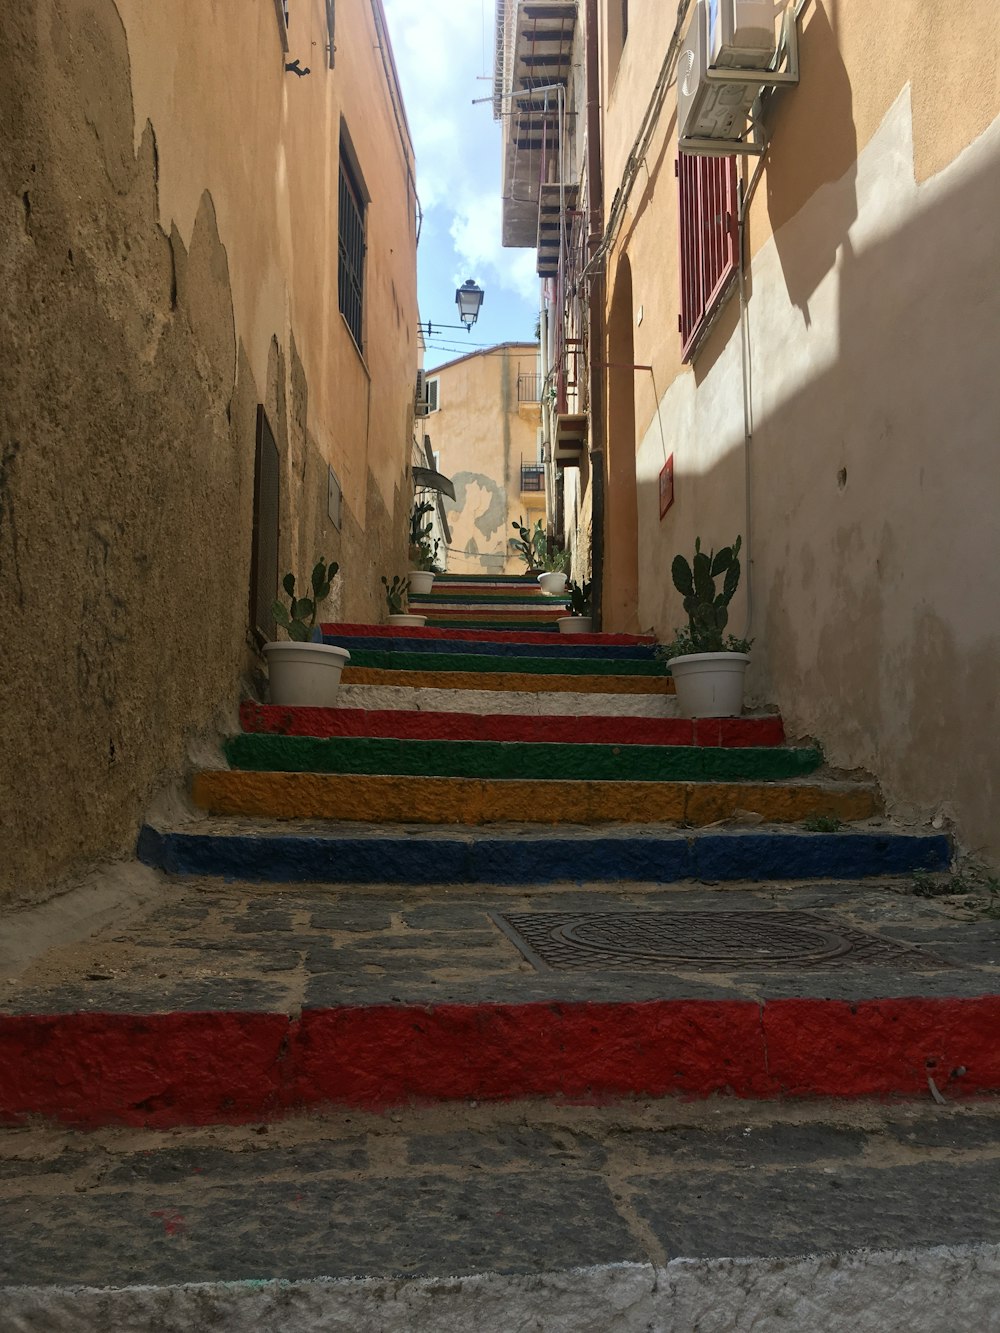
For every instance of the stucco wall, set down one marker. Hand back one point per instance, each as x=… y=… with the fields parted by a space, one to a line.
x=159 y=279
x=482 y=434
x=872 y=317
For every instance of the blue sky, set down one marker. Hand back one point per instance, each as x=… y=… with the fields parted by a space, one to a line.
x=442 y=50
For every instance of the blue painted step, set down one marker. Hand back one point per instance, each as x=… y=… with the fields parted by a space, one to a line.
x=633 y=652
x=450 y=856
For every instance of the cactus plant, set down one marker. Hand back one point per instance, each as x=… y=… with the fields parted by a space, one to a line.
x=707 y=609
x=579 y=598
x=395 y=594
x=531 y=544
x=298 y=619
x=422 y=552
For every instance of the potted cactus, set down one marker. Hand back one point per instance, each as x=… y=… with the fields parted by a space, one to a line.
x=580 y=619
x=553 y=581
x=423 y=553
x=531 y=544
x=396 y=594
x=707 y=668
x=305 y=671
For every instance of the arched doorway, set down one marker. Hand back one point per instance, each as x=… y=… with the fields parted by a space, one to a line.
x=621 y=524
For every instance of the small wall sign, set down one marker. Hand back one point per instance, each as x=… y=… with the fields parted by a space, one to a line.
x=666 y=485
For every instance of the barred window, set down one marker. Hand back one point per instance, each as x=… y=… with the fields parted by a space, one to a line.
x=351 y=250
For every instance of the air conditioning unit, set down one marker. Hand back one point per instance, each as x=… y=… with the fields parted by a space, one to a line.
x=421 y=406
x=732 y=35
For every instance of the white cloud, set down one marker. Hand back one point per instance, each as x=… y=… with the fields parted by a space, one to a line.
x=475 y=230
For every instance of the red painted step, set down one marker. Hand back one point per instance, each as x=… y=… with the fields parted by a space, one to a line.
x=472 y=635
x=735 y=732
x=167 y=1069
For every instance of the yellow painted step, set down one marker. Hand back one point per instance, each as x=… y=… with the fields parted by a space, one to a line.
x=508 y=680
x=492 y=801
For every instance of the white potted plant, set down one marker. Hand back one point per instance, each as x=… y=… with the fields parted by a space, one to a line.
x=423 y=554
x=395 y=596
x=553 y=581
x=305 y=671
x=708 y=669
x=580 y=620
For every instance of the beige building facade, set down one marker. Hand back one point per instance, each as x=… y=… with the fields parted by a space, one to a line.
x=208 y=338
x=835 y=403
x=483 y=426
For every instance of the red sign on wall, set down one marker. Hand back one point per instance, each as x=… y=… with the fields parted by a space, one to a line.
x=666 y=485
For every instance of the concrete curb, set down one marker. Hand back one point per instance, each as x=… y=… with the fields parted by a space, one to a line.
x=864 y=1291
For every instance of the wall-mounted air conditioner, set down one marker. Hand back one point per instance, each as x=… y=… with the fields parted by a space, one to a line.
x=725 y=60
x=421 y=407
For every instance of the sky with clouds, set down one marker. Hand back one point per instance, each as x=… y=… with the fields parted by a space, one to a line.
x=443 y=48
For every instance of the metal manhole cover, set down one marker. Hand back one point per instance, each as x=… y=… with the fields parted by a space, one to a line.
x=701 y=941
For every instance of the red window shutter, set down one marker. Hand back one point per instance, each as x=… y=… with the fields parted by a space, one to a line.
x=709 y=241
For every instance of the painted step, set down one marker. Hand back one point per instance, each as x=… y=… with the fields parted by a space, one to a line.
x=564 y=649
x=488 y=597
x=516 y=680
x=264 y=850
x=517 y=759
x=433 y=800
x=559 y=664
x=454 y=726
x=484 y=703
x=408 y=634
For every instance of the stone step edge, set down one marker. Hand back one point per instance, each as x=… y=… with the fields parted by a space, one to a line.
x=903 y=1285
x=382 y=798
x=495 y=856
x=484 y=636
x=413 y=724
x=519 y=682
x=508 y=703
x=163 y=1070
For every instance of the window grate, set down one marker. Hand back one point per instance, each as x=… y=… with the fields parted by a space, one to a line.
x=264 y=545
x=532 y=477
x=351 y=252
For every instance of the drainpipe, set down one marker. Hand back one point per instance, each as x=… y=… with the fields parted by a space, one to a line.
x=595 y=308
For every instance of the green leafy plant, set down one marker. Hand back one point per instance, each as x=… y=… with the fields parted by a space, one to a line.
x=298 y=619
x=707 y=609
x=395 y=594
x=822 y=824
x=580 y=598
x=531 y=544
x=556 y=561
x=423 y=552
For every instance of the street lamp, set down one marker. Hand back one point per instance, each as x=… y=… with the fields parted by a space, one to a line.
x=469 y=298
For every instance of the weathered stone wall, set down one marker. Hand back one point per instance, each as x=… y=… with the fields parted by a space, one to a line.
x=127 y=425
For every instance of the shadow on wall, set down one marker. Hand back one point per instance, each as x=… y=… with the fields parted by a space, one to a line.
x=875 y=485
x=478 y=511
x=798 y=166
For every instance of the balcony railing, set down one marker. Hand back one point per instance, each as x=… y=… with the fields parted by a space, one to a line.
x=532 y=477
x=529 y=388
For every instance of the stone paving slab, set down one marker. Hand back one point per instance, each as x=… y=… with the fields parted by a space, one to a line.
x=233 y=946
x=521 y=1189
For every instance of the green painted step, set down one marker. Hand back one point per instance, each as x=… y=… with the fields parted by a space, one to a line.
x=549 y=666
x=517 y=759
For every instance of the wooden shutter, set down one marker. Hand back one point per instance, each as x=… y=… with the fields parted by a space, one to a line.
x=709 y=241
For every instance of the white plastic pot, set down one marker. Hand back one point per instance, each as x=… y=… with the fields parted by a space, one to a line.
x=553 y=584
x=413 y=622
x=709 y=684
x=304 y=675
x=575 y=624
x=421 y=580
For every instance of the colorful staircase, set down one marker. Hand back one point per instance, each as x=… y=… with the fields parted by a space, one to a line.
x=473 y=779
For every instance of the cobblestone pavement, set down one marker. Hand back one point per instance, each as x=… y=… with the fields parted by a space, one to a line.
x=205 y=945
x=521 y=1188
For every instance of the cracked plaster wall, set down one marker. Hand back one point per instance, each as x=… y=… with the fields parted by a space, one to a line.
x=136 y=340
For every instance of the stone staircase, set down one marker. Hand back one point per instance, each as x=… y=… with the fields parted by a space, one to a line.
x=565 y=975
